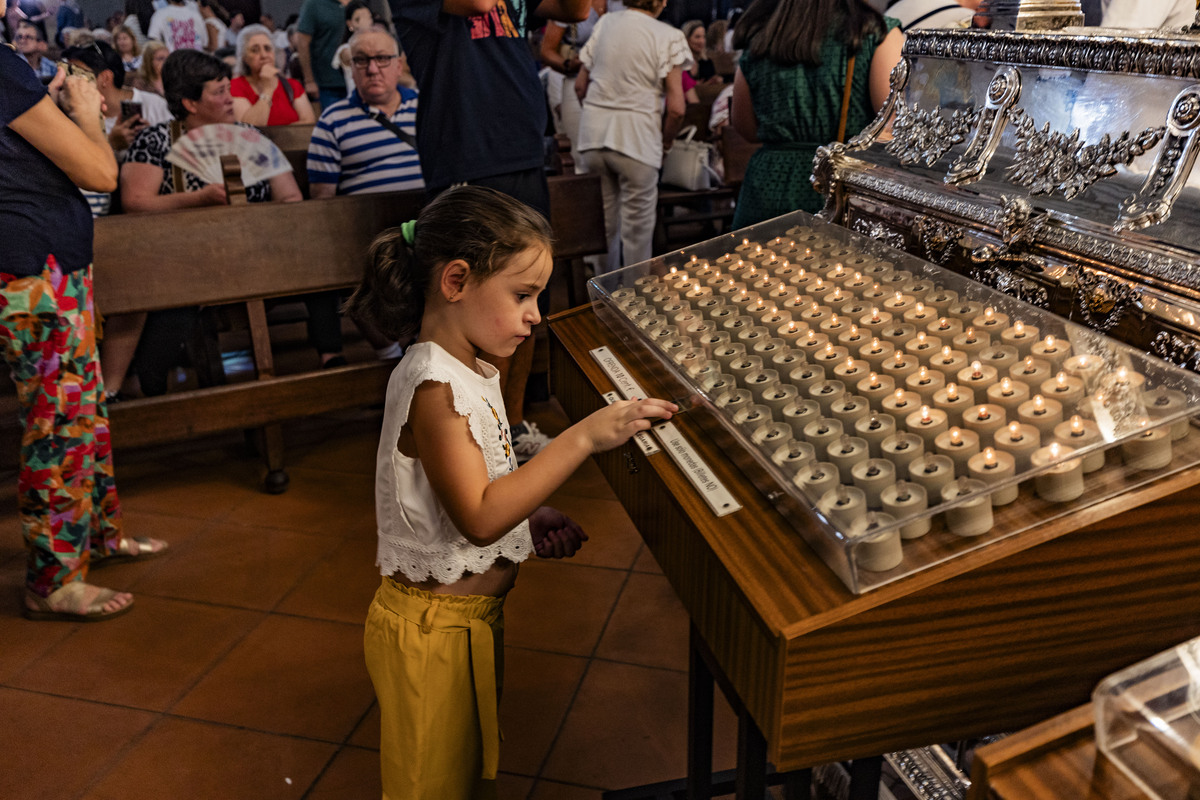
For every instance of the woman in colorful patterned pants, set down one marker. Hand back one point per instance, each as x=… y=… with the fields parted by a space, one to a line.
x=66 y=494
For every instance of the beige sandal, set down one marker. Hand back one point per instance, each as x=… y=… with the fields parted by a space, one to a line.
x=132 y=548
x=71 y=603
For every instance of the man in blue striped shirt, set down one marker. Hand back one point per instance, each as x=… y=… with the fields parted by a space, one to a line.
x=367 y=142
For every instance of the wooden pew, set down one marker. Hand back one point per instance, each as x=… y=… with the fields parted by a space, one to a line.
x=243 y=254
x=293 y=141
x=247 y=254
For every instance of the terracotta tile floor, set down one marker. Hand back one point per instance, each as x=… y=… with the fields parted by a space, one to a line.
x=240 y=674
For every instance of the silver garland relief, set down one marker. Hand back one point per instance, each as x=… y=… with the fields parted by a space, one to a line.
x=926 y=135
x=1003 y=92
x=1049 y=162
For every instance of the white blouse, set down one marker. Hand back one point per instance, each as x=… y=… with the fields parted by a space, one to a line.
x=416 y=536
x=627 y=56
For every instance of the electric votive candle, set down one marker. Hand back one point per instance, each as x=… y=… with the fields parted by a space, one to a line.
x=900 y=366
x=964 y=311
x=1021 y=336
x=990 y=321
x=1043 y=414
x=1061 y=483
x=954 y=400
x=875 y=388
x=798 y=414
x=898 y=303
x=815 y=314
x=970 y=517
x=851 y=370
x=853 y=338
x=942 y=300
x=925 y=382
x=923 y=346
x=1163 y=402
x=843 y=506
x=1150 y=449
x=945 y=327
x=993 y=466
x=1053 y=350
x=835 y=326
x=829 y=356
x=957 y=444
x=1001 y=357
x=903 y=499
x=902 y=449
x=792 y=455
x=876 y=352
x=874 y=428
x=1008 y=394
x=849 y=409
x=1032 y=371
x=1066 y=389
x=731 y=400
x=948 y=361
x=822 y=432
x=977 y=376
x=844 y=453
x=825 y=393
x=753 y=417
x=920 y=315
x=927 y=423
x=791 y=331
x=1079 y=433
x=898 y=333
x=875 y=320
x=985 y=419
x=872 y=476
x=805 y=376
x=932 y=472
x=971 y=342
x=1019 y=441
x=901 y=403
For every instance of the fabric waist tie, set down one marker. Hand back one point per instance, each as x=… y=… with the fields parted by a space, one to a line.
x=452 y=612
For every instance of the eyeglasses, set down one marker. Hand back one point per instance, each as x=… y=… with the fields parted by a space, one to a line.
x=25 y=37
x=363 y=62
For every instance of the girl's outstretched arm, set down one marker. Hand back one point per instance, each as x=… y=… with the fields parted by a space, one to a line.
x=483 y=510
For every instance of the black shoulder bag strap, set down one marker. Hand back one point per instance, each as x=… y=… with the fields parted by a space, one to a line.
x=403 y=135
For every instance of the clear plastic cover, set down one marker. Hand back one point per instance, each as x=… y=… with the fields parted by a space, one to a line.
x=1148 y=722
x=896 y=413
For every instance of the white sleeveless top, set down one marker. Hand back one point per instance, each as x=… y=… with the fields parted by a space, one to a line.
x=416 y=537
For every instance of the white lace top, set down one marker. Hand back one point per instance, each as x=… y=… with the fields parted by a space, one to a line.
x=416 y=537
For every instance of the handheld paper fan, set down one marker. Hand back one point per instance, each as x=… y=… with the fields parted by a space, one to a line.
x=199 y=152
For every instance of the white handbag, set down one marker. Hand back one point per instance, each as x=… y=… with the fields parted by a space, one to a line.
x=687 y=164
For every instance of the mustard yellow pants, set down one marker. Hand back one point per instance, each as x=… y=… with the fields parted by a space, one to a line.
x=436 y=661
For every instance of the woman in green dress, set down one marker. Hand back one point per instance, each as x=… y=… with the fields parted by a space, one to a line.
x=787 y=93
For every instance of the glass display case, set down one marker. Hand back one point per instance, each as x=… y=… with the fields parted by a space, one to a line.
x=1148 y=722
x=896 y=413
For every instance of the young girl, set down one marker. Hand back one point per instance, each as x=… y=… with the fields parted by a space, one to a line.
x=455 y=515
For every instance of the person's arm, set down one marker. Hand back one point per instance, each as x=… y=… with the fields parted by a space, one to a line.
x=468 y=8
x=581 y=83
x=304 y=110
x=139 y=191
x=564 y=10
x=303 y=50
x=322 y=191
x=483 y=510
x=550 y=42
x=887 y=55
x=259 y=112
x=691 y=95
x=284 y=189
x=72 y=137
x=676 y=105
x=214 y=37
x=741 y=109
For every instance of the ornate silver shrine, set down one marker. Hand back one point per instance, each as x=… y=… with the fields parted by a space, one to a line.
x=1050 y=161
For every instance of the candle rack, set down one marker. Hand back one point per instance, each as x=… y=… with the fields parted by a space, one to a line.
x=692 y=317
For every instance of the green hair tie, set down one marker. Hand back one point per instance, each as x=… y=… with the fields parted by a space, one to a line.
x=407 y=230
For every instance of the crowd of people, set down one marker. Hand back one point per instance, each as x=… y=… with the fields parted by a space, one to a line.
x=418 y=94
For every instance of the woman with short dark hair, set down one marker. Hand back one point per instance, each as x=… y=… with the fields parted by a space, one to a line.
x=788 y=92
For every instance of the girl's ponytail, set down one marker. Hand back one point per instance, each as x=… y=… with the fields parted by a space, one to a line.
x=391 y=297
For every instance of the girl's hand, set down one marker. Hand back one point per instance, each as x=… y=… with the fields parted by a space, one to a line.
x=555 y=535
x=615 y=424
x=214 y=194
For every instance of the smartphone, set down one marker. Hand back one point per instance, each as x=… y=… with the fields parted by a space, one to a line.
x=129 y=108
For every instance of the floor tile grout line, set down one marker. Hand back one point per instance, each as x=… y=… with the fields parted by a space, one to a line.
x=591 y=658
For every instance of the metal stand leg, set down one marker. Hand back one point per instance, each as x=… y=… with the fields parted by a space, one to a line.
x=700 y=723
x=864 y=778
x=752 y=760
